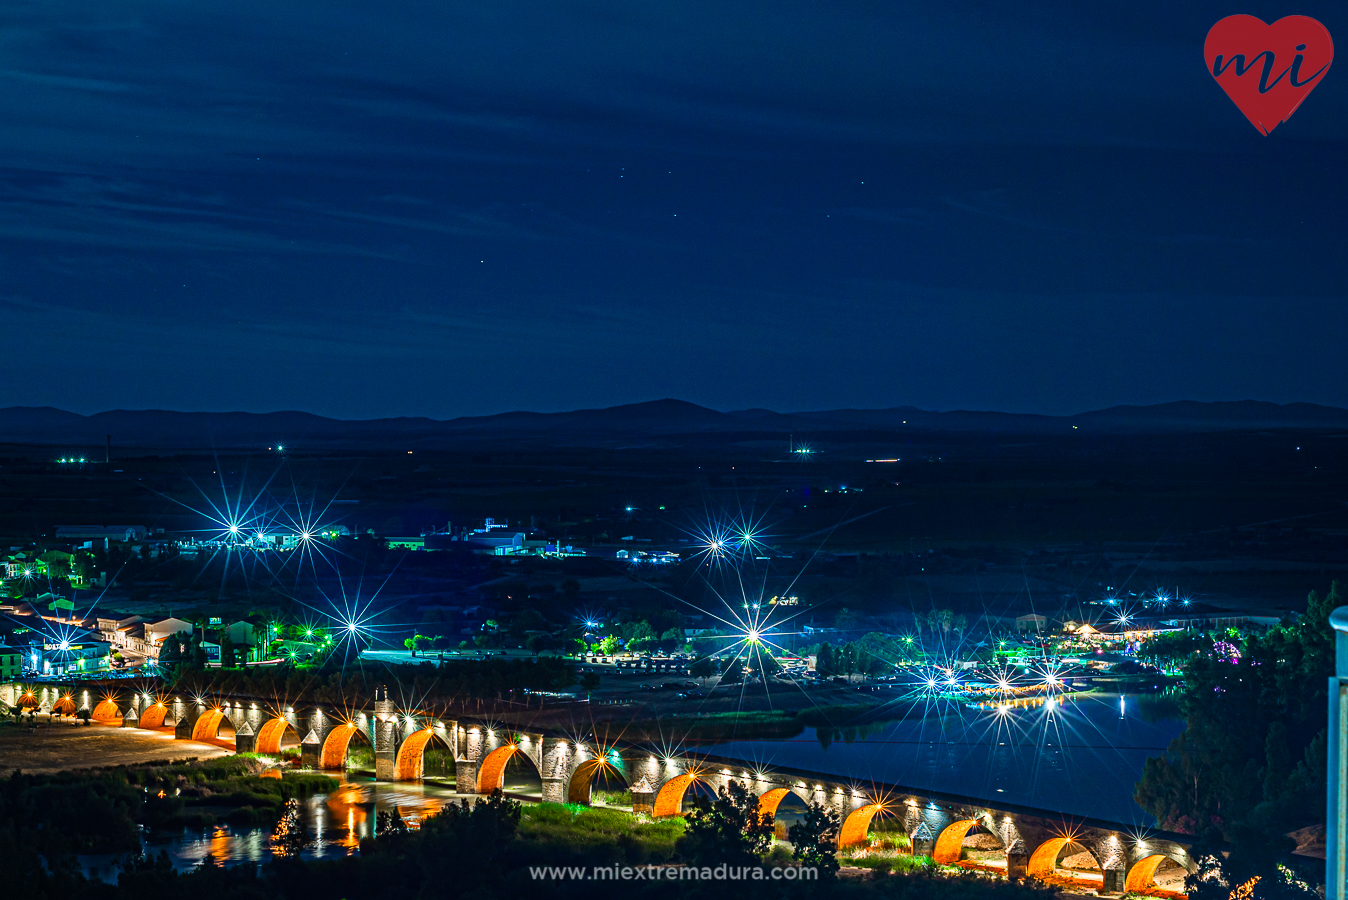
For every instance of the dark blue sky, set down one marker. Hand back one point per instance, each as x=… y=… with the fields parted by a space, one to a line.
x=441 y=208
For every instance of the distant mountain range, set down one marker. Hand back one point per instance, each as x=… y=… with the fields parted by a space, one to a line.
x=655 y=419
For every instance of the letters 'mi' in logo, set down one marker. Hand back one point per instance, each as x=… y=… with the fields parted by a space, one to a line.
x=1268 y=69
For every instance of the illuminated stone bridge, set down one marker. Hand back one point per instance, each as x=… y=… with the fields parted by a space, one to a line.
x=1030 y=841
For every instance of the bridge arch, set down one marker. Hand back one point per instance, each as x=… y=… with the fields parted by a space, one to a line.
x=491 y=771
x=410 y=764
x=207 y=726
x=336 y=745
x=581 y=785
x=857 y=824
x=64 y=706
x=107 y=711
x=769 y=800
x=270 y=734
x=1044 y=860
x=950 y=842
x=153 y=716
x=669 y=801
x=1142 y=874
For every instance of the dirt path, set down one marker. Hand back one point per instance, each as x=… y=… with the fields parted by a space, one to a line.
x=60 y=745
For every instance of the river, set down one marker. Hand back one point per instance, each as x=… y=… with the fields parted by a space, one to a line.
x=337 y=822
x=1079 y=755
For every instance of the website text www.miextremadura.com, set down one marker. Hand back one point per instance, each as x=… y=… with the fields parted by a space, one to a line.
x=674 y=873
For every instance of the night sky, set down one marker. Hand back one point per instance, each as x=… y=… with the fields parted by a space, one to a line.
x=442 y=208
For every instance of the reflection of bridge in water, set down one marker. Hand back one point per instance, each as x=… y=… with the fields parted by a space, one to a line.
x=1031 y=842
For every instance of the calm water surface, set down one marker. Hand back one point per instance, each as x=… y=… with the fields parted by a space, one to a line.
x=1080 y=756
x=337 y=821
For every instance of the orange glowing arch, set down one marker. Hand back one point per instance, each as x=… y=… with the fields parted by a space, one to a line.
x=856 y=825
x=107 y=711
x=1141 y=877
x=412 y=755
x=491 y=772
x=65 y=706
x=582 y=780
x=1044 y=860
x=669 y=802
x=153 y=716
x=950 y=842
x=207 y=726
x=270 y=734
x=768 y=801
x=334 y=748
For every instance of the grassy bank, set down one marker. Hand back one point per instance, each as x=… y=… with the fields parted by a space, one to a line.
x=102 y=811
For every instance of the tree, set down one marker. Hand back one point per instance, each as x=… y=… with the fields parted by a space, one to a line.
x=767 y=663
x=1171 y=651
x=291 y=835
x=170 y=653
x=823 y=661
x=421 y=642
x=729 y=829
x=640 y=635
x=1252 y=752
x=703 y=668
x=198 y=653
x=732 y=672
x=814 y=840
x=847 y=619
x=525 y=622
x=227 y=652
x=391 y=824
x=542 y=643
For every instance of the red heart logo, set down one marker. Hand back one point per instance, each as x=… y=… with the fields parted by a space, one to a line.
x=1268 y=69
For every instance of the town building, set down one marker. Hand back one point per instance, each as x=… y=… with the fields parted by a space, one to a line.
x=76 y=657
x=117 y=631
x=11 y=662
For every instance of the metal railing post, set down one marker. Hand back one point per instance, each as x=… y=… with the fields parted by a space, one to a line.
x=1336 y=812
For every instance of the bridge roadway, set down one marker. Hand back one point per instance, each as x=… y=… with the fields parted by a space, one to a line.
x=1032 y=839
